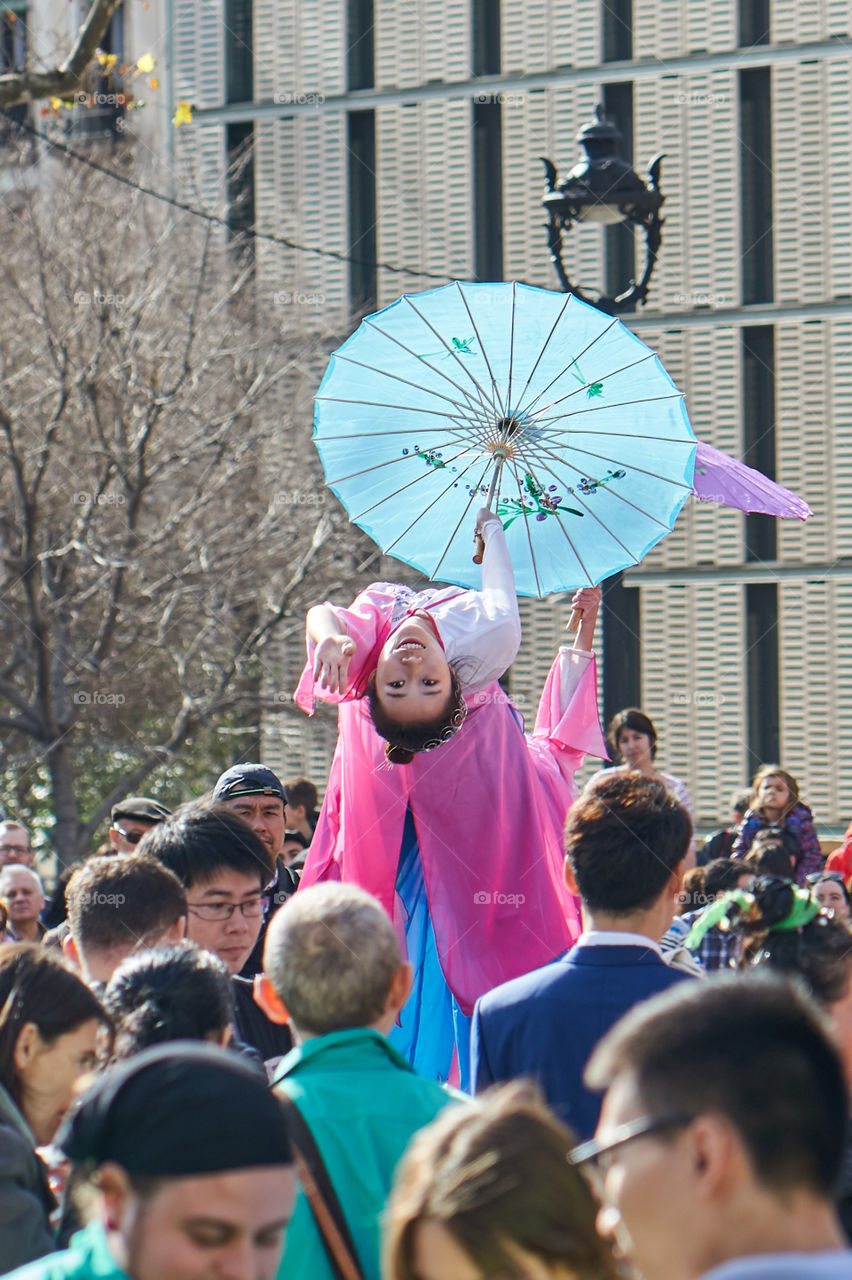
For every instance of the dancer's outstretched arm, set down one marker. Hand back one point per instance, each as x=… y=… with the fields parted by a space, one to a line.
x=334 y=649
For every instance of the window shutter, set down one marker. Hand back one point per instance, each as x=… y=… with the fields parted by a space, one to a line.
x=800 y=215
x=200 y=80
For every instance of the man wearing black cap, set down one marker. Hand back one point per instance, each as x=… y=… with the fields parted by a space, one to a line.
x=131 y=818
x=190 y=1168
x=257 y=795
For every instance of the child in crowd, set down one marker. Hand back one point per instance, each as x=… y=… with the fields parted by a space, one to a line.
x=775 y=803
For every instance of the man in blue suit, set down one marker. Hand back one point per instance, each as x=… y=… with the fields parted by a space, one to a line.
x=625 y=840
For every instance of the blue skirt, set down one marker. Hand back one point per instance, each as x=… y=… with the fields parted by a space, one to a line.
x=431 y=1026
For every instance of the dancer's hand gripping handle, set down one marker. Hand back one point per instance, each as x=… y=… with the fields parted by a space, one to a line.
x=482 y=517
x=584 y=610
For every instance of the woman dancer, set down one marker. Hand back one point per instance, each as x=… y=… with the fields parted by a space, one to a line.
x=438 y=803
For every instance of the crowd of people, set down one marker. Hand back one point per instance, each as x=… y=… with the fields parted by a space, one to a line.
x=459 y=1021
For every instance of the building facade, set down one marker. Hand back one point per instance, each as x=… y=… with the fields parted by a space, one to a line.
x=409 y=136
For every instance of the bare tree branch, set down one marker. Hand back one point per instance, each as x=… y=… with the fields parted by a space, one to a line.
x=59 y=82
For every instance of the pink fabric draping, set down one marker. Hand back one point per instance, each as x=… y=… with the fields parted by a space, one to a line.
x=489 y=808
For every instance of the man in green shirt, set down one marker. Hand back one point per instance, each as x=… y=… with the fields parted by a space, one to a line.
x=189 y=1163
x=333 y=969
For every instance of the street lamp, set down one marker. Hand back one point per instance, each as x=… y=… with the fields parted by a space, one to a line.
x=604 y=188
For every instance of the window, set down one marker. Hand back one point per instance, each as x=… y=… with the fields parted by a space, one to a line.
x=620 y=241
x=239 y=59
x=13 y=57
x=487 y=52
x=756 y=184
x=360 y=47
x=622 y=656
x=758 y=354
x=488 y=190
x=617 y=33
x=753 y=22
x=104 y=114
x=762 y=673
x=362 y=210
x=239 y=138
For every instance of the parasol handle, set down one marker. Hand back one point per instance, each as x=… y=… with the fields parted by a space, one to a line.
x=479 y=541
x=575 y=620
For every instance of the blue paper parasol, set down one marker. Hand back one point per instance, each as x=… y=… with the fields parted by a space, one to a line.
x=569 y=417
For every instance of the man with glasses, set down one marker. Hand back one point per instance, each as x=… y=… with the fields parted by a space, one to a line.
x=15 y=845
x=131 y=818
x=225 y=870
x=721 y=1135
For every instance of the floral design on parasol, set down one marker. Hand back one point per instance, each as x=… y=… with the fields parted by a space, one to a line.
x=555 y=413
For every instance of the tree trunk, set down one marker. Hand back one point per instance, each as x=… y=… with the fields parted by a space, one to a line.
x=66 y=833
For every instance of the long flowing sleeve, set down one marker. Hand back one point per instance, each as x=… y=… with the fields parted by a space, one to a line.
x=481 y=630
x=567 y=721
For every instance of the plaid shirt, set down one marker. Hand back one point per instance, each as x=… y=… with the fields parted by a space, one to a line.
x=717 y=950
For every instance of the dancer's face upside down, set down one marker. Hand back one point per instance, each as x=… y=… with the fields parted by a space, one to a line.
x=413 y=678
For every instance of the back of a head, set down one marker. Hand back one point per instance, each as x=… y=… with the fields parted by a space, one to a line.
x=624 y=837
x=750 y=1049
x=174 y=1111
x=773 y=852
x=174 y=993
x=116 y=901
x=721 y=875
x=331 y=952
x=200 y=840
x=494 y=1173
x=37 y=988
x=302 y=793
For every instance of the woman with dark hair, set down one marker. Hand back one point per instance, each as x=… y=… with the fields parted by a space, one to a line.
x=829 y=889
x=49 y=1025
x=488 y=1190
x=173 y=993
x=438 y=803
x=632 y=739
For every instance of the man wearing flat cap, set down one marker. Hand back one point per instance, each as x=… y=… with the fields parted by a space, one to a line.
x=257 y=795
x=131 y=818
x=187 y=1169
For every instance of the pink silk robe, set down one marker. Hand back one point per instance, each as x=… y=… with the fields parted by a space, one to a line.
x=489 y=808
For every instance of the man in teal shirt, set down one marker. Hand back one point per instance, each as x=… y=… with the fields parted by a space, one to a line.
x=333 y=969
x=191 y=1168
